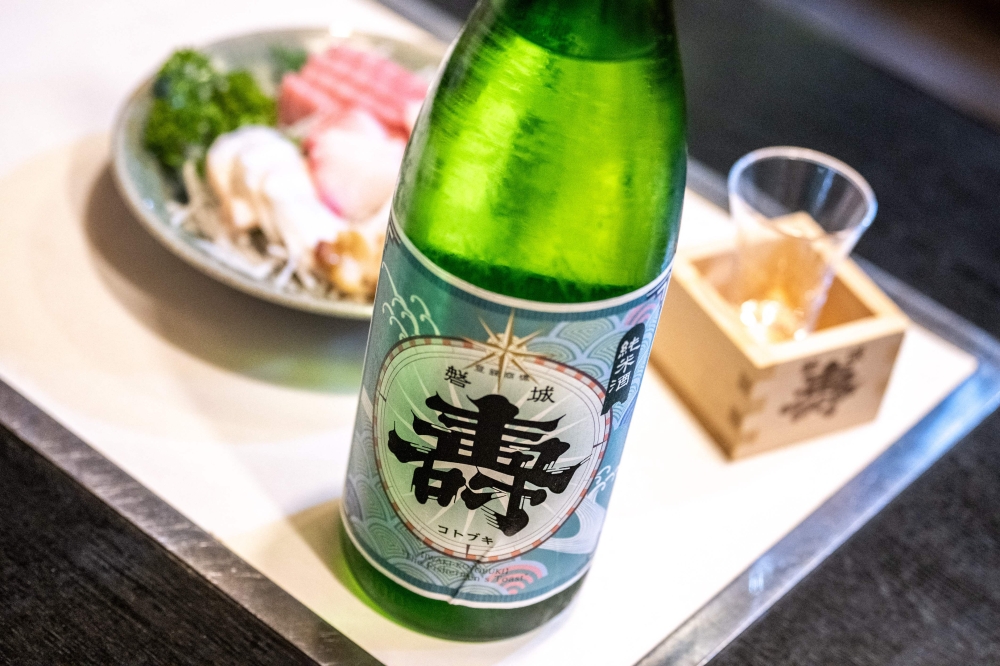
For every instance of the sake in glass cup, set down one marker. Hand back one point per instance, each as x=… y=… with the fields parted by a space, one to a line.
x=798 y=214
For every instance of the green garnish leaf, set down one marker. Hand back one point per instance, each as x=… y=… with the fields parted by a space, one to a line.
x=193 y=103
x=287 y=60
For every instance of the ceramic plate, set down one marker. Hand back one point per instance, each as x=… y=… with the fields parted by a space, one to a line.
x=147 y=190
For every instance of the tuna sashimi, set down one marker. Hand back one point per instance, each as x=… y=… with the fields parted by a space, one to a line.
x=298 y=99
x=342 y=78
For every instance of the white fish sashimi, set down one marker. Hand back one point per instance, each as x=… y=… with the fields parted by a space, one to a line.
x=355 y=164
x=228 y=178
x=325 y=224
x=299 y=217
x=260 y=158
x=262 y=182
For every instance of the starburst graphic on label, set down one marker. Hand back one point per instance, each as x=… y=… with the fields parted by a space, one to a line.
x=505 y=349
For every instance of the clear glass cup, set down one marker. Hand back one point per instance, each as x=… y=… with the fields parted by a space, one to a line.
x=798 y=213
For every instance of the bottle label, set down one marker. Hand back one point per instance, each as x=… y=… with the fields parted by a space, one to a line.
x=489 y=431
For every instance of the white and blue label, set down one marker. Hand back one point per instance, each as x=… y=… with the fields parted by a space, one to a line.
x=489 y=431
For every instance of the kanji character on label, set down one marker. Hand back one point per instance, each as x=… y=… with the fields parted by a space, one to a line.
x=476 y=438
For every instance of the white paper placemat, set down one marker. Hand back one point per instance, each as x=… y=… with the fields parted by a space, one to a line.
x=239 y=414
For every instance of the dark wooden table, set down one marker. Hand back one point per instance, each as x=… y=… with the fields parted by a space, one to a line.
x=920 y=584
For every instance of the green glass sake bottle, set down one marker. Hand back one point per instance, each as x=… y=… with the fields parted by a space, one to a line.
x=526 y=261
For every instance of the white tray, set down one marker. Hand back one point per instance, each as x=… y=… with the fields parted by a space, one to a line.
x=238 y=413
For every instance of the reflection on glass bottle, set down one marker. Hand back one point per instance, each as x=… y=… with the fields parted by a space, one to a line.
x=534 y=224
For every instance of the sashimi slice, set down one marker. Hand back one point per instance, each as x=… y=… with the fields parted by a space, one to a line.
x=354 y=167
x=302 y=221
x=347 y=93
x=263 y=182
x=235 y=165
x=354 y=120
x=350 y=78
x=299 y=98
x=262 y=156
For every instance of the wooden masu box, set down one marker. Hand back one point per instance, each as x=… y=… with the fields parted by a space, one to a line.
x=753 y=396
